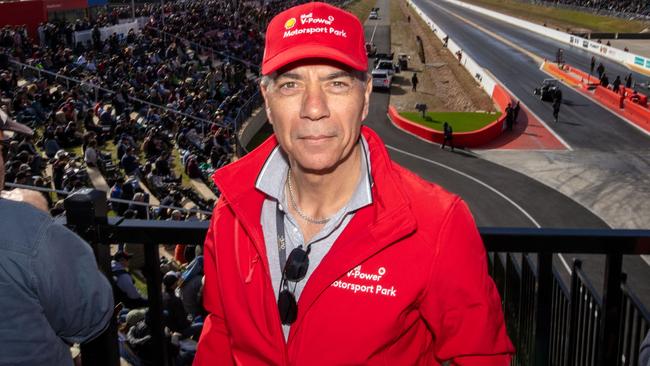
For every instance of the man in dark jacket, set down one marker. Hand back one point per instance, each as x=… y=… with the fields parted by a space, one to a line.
x=53 y=294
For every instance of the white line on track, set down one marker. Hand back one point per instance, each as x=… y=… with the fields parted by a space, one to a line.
x=372 y=37
x=480 y=182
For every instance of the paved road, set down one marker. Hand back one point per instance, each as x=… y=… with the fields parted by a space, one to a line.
x=496 y=195
x=583 y=124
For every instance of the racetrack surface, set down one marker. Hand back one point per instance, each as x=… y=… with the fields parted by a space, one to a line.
x=583 y=124
x=496 y=195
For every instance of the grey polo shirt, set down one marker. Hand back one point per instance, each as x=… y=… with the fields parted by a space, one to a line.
x=271 y=181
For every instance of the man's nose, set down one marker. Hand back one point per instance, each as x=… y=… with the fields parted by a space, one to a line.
x=314 y=103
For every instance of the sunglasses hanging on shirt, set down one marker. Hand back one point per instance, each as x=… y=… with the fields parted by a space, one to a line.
x=293 y=269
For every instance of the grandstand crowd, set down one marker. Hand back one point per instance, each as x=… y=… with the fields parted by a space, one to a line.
x=625 y=7
x=143 y=109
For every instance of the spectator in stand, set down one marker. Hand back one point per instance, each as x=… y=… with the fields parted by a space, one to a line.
x=43 y=313
x=91 y=154
x=130 y=162
x=191 y=288
x=137 y=206
x=140 y=341
x=124 y=288
x=50 y=145
x=176 y=319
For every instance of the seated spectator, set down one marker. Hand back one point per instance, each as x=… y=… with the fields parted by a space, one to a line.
x=132 y=318
x=91 y=154
x=124 y=289
x=50 y=145
x=130 y=162
x=141 y=210
x=192 y=287
x=140 y=341
x=175 y=317
x=192 y=168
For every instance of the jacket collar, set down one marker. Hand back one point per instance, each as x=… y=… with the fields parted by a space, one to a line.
x=374 y=227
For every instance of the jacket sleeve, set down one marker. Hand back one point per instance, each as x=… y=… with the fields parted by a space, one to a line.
x=214 y=343
x=76 y=297
x=461 y=303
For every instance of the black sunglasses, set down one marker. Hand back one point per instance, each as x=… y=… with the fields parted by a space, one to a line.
x=294 y=271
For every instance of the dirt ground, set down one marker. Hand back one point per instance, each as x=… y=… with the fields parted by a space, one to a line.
x=444 y=85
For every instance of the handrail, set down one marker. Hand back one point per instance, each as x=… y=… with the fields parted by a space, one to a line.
x=117 y=200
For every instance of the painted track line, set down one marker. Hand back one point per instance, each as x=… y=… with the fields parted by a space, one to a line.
x=513 y=45
x=480 y=182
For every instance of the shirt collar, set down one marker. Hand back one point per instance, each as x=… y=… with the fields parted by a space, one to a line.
x=273 y=176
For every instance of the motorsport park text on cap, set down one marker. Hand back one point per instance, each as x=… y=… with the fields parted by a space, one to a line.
x=314 y=30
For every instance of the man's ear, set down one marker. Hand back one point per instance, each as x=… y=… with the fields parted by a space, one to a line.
x=366 y=98
x=264 y=90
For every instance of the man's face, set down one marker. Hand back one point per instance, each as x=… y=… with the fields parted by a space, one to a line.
x=316 y=112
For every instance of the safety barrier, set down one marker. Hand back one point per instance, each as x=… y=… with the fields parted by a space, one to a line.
x=549 y=322
x=639 y=63
x=461 y=139
x=483 y=77
x=554 y=70
x=637 y=114
x=620 y=102
x=609 y=98
x=585 y=79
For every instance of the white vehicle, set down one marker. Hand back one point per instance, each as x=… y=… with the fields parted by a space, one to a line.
x=388 y=66
x=381 y=79
x=373 y=15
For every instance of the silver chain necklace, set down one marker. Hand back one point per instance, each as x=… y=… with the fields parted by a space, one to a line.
x=298 y=210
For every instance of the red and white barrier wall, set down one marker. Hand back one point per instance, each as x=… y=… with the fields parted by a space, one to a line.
x=634 y=61
x=498 y=94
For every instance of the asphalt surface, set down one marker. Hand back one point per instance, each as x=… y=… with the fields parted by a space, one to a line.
x=583 y=124
x=497 y=196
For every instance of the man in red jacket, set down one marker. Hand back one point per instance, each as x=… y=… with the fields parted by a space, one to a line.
x=321 y=250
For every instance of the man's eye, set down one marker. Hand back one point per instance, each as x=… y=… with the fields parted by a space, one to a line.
x=288 y=85
x=340 y=85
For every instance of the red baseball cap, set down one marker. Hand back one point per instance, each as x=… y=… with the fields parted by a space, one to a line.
x=314 y=30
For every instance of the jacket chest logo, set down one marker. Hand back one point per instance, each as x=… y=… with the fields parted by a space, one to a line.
x=358 y=281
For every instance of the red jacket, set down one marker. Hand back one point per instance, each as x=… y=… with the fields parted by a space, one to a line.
x=406 y=283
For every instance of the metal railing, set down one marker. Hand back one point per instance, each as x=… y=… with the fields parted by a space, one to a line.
x=548 y=323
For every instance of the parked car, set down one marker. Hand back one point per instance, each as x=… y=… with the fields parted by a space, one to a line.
x=388 y=66
x=381 y=79
x=383 y=56
x=403 y=60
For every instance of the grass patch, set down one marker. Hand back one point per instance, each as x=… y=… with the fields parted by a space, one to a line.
x=459 y=121
x=562 y=18
x=361 y=8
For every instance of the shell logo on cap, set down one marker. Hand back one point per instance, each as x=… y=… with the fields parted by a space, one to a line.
x=290 y=23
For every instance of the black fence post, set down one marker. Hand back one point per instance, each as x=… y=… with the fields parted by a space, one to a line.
x=154 y=295
x=574 y=303
x=543 y=308
x=86 y=212
x=611 y=315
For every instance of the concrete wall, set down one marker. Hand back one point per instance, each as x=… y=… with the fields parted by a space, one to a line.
x=638 y=62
